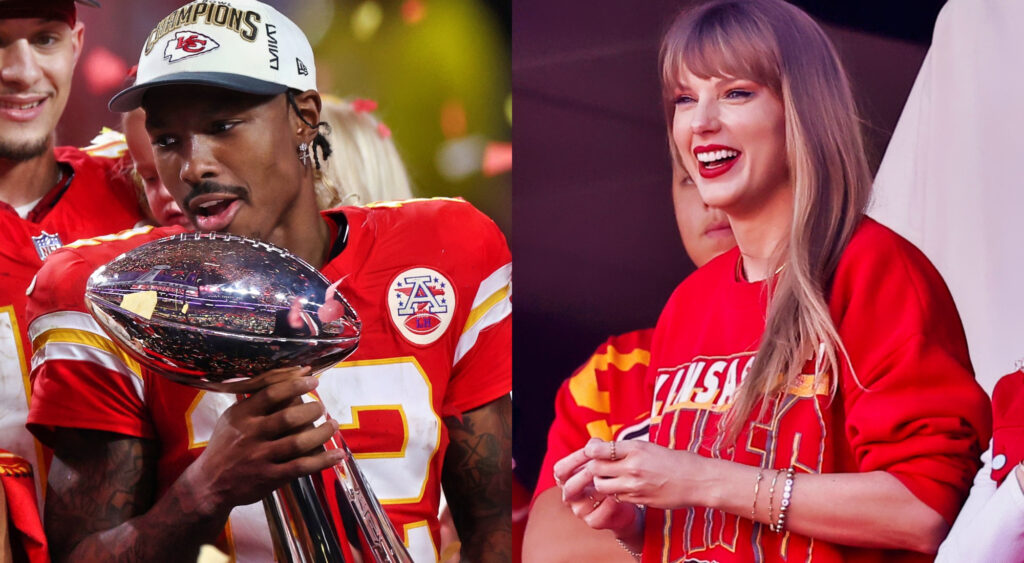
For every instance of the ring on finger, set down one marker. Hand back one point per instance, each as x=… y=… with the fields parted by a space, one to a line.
x=596 y=504
x=616 y=497
x=614 y=457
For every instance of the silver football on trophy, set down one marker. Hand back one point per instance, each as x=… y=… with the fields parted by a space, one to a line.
x=214 y=311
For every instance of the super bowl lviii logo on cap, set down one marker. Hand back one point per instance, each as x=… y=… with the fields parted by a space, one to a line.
x=421 y=303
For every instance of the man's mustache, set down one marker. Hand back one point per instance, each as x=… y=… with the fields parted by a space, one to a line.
x=205 y=188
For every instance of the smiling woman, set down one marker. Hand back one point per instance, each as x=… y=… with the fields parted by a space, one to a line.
x=812 y=392
x=722 y=124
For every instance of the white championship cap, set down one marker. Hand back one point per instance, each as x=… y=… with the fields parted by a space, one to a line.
x=242 y=45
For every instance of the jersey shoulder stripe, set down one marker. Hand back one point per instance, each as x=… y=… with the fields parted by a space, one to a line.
x=122 y=235
x=75 y=336
x=491 y=304
x=405 y=202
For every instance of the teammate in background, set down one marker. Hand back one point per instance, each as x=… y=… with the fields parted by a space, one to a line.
x=788 y=423
x=132 y=477
x=990 y=527
x=157 y=201
x=49 y=195
x=605 y=398
x=137 y=163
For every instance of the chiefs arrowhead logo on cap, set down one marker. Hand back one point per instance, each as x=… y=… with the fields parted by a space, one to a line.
x=185 y=44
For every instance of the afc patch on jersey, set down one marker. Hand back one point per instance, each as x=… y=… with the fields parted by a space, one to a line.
x=421 y=303
x=187 y=44
x=46 y=244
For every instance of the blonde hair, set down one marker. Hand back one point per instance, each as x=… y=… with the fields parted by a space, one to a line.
x=365 y=166
x=779 y=46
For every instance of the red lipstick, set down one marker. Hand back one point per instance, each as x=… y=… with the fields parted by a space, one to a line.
x=718 y=167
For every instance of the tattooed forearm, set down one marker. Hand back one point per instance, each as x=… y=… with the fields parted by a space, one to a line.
x=96 y=487
x=99 y=505
x=477 y=480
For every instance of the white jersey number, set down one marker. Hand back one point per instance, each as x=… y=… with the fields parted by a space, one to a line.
x=371 y=399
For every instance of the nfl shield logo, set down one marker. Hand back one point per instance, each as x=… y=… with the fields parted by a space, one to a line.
x=46 y=244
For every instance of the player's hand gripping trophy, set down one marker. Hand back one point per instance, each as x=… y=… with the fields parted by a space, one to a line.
x=218 y=312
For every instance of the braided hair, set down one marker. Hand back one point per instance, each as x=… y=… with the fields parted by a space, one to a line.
x=322 y=128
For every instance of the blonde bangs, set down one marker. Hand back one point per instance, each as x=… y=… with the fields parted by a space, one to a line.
x=718 y=42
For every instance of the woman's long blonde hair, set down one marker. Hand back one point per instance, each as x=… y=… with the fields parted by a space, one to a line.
x=365 y=166
x=779 y=46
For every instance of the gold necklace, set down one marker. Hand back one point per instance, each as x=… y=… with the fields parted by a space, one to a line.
x=739 y=269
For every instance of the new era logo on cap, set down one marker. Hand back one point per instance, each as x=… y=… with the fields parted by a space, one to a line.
x=187 y=44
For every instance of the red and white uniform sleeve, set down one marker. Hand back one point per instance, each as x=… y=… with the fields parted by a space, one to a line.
x=604 y=398
x=991 y=525
x=94 y=200
x=482 y=362
x=912 y=407
x=80 y=377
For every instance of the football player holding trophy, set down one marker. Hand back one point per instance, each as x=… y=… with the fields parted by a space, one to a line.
x=148 y=469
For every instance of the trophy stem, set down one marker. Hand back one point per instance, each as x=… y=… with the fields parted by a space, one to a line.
x=299 y=526
x=303 y=532
x=363 y=507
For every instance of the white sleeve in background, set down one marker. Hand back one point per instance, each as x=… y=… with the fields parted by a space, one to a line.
x=951 y=180
x=990 y=528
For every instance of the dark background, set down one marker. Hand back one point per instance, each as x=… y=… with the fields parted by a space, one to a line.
x=594 y=239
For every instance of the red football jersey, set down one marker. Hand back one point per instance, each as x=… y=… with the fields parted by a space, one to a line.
x=431 y=281
x=1008 y=425
x=604 y=398
x=96 y=200
x=911 y=407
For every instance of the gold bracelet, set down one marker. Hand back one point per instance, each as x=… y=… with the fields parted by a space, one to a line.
x=771 y=495
x=636 y=554
x=757 y=487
